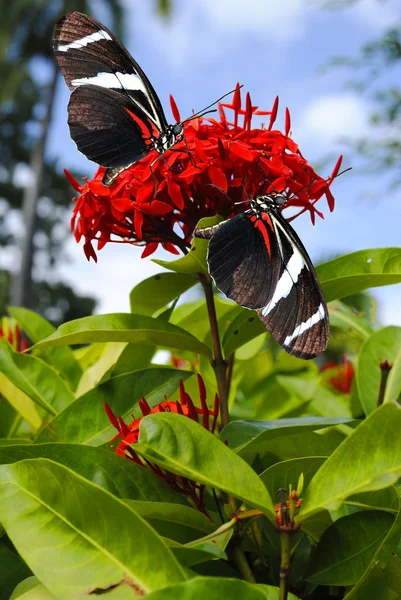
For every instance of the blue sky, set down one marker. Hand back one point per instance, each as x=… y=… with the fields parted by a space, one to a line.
x=272 y=48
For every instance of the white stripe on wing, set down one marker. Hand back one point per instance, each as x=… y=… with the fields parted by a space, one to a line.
x=88 y=39
x=302 y=327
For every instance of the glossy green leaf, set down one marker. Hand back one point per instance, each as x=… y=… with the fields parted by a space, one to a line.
x=392 y=574
x=216 y=588
x=9 y=420
x=120 y=476
x=243 y=328
x=373 y=586
x=195 y=260
x=381 y=346
x=249 y=437
x=195 y=554
x=368 y=459
x=157 y=291
x=346 y=319
x=86 y=421
x=182 y=446
x=122 y=327
x=13 y=570
x=102 y=368
x=37 y=328
x=286 y=473
x=347 y=547
x=35 y=378
x=32 y=589
x=175 y=521
x=20 y=401
x=97 y=538
x=352 y=273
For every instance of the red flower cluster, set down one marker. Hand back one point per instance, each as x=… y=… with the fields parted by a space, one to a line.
x=219 y=162
x=12 y=333
x=340 y=376
x=128 y=435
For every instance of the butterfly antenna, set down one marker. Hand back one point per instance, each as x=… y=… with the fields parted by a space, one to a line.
x=266 y=178
x=313 y=181
x=196 y=115
x=200 y=115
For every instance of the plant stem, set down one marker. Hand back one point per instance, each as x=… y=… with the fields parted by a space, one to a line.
x=241 y=562
x=385 y=368
x=219 y=364
x=285 y=563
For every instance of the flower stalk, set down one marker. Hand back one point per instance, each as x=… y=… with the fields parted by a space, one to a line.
x=219 y=364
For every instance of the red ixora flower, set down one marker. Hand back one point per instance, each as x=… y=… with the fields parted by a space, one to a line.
x=340 y=375
x=219 y=162
x=128 y=435
x=11 y=331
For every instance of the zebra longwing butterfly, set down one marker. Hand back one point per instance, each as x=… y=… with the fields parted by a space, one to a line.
x=256 y=259
x=114 y=114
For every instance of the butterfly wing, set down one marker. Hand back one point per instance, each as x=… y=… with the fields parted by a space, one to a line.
x=260 y=263
x=88 y=53
x=296 y=314
x=113 y=110
x=102 y=127
x=238 y=255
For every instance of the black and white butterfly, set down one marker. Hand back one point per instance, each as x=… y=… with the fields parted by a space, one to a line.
x=256 y=259
x=114 y=114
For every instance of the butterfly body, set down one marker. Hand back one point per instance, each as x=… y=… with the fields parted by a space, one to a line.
x=114 y=114
x=256 y=259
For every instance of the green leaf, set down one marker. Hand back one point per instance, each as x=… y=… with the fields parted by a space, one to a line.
x=182 y=446
x=216 y=588
x=195 y=554
x=37 y=328
x=347 y=547
x=22 y=403
x=368 y=459
x=74 y=523
x=120 y=476
x=157 y=291
x=250 y=437
x=12 y=571
x=32 y=589
x=10 y=419
x=345 y=318
x=243 y=328
x=286 y=473
x=175 y=521
x=35 y=378
x=373 y=586
x=195 y=260
x=86 y=421
x=101 y=369
x=359 y=271
x=122 y=327
x=382 y=345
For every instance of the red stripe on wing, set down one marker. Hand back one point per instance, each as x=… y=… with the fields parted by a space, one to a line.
x=146 y=128
x=259 y=224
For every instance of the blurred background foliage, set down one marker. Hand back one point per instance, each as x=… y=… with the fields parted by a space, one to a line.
x=30 y=181
x=33 y=185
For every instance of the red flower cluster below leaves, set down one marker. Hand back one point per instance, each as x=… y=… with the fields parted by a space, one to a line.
x=12 y=333
x=219 y=162
x=340 y=376
x=128 y=435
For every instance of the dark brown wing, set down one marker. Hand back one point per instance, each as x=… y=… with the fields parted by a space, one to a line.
x=296 y=315
x=242 y=261
x=88 y=53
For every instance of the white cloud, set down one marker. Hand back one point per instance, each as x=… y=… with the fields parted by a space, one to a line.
x=110 y=280
x=376 y=14
x=333 y=117
x=278 y=20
